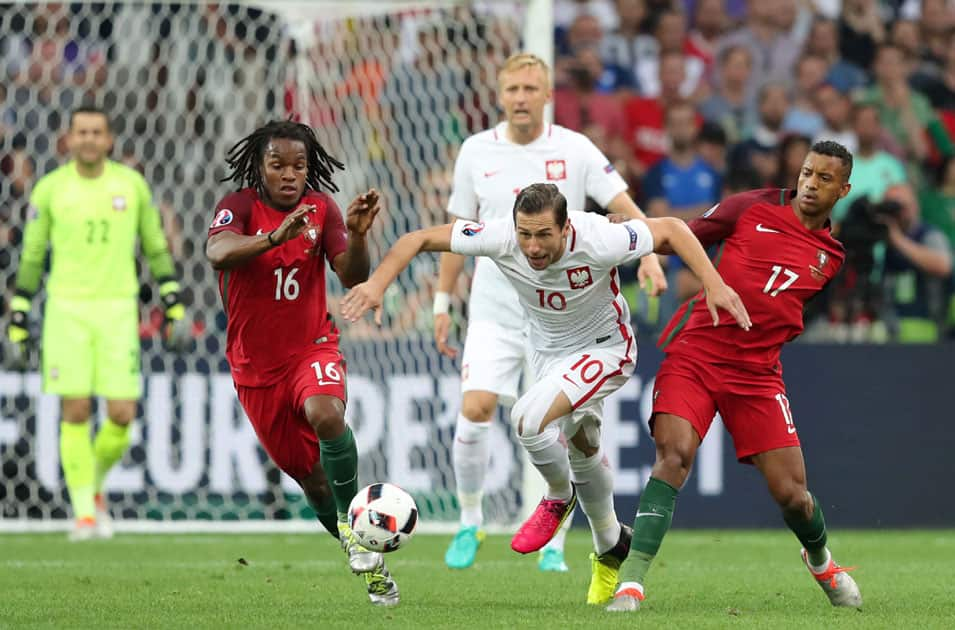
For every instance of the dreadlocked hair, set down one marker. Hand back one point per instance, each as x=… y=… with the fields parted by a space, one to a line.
x=245 y=157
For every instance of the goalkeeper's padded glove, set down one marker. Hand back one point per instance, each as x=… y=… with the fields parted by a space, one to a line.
x=18 y=332
x=173 y=330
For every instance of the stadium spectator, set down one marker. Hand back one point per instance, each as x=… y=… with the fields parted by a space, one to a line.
x=711 y=143
x=790 y=152
x=823 y=41
x=918 y=264
x=644 y=116
x=603 y=11
x=938 y=201
x=586 y=74
x=803 y=117
x=873 y=170
x=709 y=24
x=670 y=34
x=582 y=103
x=629 y=42
x=732 y=105
x=861 y=31
x=836 y=110
x=939 y=87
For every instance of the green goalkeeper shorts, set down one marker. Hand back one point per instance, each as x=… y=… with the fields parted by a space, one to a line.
x=91 y=347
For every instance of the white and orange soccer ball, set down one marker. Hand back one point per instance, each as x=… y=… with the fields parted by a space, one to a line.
x=383 y=517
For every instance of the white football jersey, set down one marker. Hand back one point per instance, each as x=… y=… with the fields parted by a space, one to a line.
x=491 y=170
x=576 y=301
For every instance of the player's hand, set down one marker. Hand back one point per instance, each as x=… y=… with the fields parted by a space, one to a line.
x=722 y=296
x=616 y=217
x=362 y=211
x=175 y=336
x=21 y=340
x=650 y=276
x=362 y=297
x=293 y=225
x=442 y=327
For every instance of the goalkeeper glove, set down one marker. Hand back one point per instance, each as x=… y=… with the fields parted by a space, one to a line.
x=174 y=335
x=18 y=331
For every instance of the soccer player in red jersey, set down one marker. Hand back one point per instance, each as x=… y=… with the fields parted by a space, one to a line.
x=777 y=251
x=269 y=242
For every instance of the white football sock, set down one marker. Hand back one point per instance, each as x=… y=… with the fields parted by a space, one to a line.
x=470 y=456
x=594 y=483
x=549 y=456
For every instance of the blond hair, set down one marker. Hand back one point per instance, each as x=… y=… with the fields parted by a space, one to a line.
x=523 y=60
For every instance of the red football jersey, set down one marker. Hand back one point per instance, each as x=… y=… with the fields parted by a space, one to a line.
x=773 y=262
x=275 y=303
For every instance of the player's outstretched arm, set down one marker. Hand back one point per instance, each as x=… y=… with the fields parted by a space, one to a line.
x=227 y=250
x=650 y=271
x=449 y=269
x=673 y=234
x=353 y=264
x=368 y=295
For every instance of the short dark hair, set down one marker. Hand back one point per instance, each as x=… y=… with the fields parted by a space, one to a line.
x=91 y=109
x=538 y=198
x=836 y=150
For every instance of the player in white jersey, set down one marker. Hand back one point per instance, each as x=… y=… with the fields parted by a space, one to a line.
x=491 y=168
x=563 y=268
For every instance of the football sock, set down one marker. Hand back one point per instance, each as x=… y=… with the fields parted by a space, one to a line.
x=340 y=460
x=557 y=542
x=595 y=493
x=811 y=533
x=327 y=513
x=654 y=515
x=549 y=456
x=76 y=456
x=469 y=455
x=111 y=442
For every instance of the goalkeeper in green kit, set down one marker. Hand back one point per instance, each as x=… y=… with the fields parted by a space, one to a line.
x=91 y=212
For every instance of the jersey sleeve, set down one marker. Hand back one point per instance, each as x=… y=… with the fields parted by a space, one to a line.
x=334 y=233
x=482 y=239
x=602 y=181
x=36 y=238
x=463 y=202
x=621 y=243
x=232 y=214
x=718 y=222
x=151 y=235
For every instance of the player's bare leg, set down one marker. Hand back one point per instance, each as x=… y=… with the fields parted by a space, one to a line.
x=109 y=446
x=785 y=473
x=76 y=456
x=534 y=417
x=676 y=445
x=470 y=456
x=594 y=481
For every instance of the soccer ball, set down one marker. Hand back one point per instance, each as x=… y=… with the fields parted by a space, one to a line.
x=383 y=517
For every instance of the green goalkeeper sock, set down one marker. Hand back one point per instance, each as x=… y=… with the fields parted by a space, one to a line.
x=110 y=444
x=654 y=515
x=340 y=460
x=76 y=456
x=811 y=533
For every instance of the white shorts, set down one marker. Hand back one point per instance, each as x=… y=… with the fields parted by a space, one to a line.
x=587 y=377
x=493 y=360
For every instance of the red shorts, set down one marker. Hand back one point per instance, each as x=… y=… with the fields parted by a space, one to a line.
x=754 y=407
x=277 y=412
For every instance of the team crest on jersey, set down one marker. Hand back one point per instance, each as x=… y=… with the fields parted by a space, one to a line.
x=818 y=269
x=580 y=277
x=555 y=169
x=223 y=217
x=119 y=203
x=470 y=229
x=311 y=234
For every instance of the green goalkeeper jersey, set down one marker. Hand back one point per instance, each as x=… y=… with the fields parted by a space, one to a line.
x=92 y=226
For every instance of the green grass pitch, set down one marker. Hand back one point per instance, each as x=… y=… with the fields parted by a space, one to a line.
x=702 y=579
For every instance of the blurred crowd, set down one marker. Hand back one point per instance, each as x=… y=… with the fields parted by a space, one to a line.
x=697 y=99
x=691 y=99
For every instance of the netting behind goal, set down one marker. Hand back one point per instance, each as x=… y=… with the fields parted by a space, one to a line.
x=391 y=91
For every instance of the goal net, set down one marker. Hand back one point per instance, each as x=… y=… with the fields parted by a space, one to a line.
x=392 y=89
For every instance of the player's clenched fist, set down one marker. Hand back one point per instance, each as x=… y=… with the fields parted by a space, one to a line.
x=362 y=297
x=293 y=225
x=362 y=211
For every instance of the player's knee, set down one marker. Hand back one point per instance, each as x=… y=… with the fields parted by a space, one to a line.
x=77 y=409
x=674 y=460
x=791 y=496
x=327 y=419
x=478 y=408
